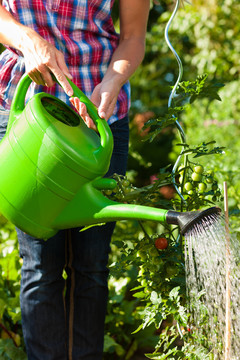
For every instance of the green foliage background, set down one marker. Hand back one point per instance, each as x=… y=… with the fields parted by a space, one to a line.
x=147 y=286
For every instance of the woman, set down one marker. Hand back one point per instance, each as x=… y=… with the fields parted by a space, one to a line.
x=74 y=39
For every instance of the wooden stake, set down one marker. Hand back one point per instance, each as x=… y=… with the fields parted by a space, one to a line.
x=228 y=283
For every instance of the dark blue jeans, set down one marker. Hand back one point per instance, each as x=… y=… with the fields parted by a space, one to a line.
x=64 y=320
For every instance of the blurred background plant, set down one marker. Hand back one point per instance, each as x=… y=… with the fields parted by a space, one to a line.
x=148 y=312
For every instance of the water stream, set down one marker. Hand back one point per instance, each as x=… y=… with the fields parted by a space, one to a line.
x=206 y=258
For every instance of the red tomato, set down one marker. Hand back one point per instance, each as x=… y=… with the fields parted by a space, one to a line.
x=161 y=243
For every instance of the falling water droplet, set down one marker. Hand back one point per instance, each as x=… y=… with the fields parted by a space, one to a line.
x=205 y=258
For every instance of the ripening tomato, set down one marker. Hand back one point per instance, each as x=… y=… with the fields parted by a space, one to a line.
x=161 y=243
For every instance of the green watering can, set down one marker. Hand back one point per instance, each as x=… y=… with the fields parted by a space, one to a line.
x=52 y=167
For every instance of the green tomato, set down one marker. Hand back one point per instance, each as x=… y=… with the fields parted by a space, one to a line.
x=196 y=177
x=156 y=264
x=181 y=169
x=198 y=169
x=127 y=190
x=142 y=254
x=202 y=187
x=209 y=179
x=157 y=261
x=153 y=268
x=153 y=252
x=210 y=173
x=142 y=271
x=180 y=179
x=188 y=186
x=171 y=271
x=214 y=186
x=144 y=282
x=125 y=183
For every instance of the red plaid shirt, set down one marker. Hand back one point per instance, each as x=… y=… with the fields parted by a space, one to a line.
x=82 y=30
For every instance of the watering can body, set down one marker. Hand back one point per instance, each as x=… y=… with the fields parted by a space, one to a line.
x=46 y=156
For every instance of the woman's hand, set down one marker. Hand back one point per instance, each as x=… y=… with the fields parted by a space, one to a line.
x=42 y=60
x=104 y=97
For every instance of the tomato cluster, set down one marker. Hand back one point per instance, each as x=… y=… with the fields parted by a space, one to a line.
x=195 y=181
x=122 y=188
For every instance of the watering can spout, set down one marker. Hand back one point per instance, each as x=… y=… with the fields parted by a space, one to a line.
x=91 y=207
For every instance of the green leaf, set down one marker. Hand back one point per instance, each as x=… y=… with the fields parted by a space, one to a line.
x=174 y=293
x=140 y=294
x=138 y=329
x=108 y=343
x=199 y=89
x=161 y=356
x=2 y=307
x=12 y=352
x=154 y=298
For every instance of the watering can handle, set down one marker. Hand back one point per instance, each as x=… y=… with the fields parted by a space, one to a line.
x=18 y=102
x=101 y=124
x=18 y=105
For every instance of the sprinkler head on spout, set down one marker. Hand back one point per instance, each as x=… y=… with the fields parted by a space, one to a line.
x=187 y=220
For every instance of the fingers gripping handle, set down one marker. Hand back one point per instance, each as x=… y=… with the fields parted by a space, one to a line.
x=101 y=124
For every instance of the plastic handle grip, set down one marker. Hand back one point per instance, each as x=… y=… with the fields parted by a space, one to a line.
x=101 y=124
x=18 y=102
